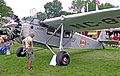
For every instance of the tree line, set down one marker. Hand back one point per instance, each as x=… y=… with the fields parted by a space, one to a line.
x=4 y=9
x=54 y=8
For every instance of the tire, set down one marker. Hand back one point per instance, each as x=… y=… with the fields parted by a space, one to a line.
x=63 y=58
x=19 y=54
x=23 y=55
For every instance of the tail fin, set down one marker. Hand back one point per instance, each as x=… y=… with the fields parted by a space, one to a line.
x=103 y=38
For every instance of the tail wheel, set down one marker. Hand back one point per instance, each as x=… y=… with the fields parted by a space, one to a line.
x=20 y=52
x=63 y=58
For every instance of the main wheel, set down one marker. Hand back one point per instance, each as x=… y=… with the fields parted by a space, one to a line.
x=20 y=52
x=63 y=58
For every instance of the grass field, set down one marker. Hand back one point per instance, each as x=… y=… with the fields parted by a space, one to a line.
x=85 y=62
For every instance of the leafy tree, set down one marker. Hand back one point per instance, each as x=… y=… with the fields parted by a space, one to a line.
x=5 y=10
x=106 y=5
x=92 y=5
x=41 y=16
x=77 y=5
x=53 y=9
x=65 y=13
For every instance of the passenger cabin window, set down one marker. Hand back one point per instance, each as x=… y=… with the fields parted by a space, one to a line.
x=66 y=33
x=50 y=31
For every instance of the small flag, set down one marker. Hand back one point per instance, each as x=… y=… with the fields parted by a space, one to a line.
x=97 y=2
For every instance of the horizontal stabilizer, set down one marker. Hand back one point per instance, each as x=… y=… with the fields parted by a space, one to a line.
x=109 y=41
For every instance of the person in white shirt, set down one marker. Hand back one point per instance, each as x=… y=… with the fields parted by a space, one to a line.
x=28 y=45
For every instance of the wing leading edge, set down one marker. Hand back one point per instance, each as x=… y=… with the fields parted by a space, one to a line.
x=101 y=19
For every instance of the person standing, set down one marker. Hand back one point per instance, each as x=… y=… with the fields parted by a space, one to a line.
x=28 y=45
x=9 y=43
x=115 y=37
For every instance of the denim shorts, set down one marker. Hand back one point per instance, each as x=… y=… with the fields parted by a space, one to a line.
x=30 y=55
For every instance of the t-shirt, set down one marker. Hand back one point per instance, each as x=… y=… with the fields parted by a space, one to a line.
x=27 y=41
x=115 y=37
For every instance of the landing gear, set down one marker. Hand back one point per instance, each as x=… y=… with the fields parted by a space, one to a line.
x=63 y=58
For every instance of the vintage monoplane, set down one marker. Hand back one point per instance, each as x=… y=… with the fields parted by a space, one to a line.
x=61 y=31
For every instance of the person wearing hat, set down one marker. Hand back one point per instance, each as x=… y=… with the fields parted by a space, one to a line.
x=28 y=45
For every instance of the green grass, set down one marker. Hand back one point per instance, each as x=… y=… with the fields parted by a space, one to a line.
x=85 y=62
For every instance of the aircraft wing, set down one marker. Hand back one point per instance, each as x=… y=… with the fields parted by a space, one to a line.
x=101 y=19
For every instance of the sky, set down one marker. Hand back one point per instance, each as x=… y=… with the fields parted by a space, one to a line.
x=22 y=7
